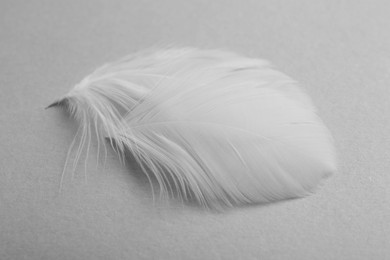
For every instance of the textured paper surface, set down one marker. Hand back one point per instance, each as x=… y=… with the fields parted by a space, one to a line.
x=338 y=50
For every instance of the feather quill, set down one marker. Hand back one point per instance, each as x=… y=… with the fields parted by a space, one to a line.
x=218 y=127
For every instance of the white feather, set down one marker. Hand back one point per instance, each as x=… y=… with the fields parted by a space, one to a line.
x=220 y=128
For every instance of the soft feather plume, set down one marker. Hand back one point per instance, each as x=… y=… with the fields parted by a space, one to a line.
x=217 y=127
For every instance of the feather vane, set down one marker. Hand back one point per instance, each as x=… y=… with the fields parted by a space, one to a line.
x=218 y=127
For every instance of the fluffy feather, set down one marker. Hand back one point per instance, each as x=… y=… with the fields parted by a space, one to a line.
x=217 y=127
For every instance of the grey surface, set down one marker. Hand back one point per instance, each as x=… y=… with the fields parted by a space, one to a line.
x=338 y=50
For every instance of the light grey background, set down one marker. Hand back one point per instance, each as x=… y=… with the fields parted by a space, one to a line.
x=338 y=50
